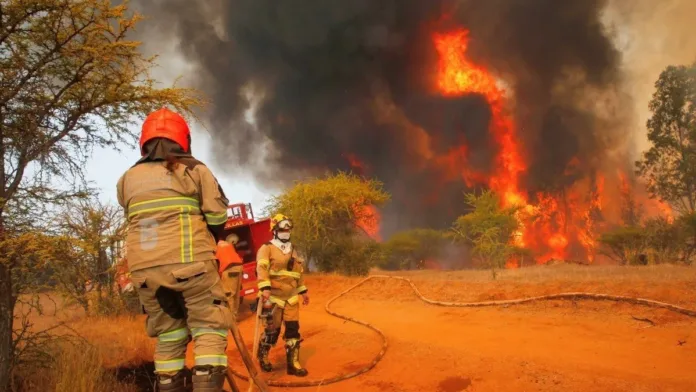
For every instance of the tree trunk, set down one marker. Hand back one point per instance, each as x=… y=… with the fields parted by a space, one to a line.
x=7 y=304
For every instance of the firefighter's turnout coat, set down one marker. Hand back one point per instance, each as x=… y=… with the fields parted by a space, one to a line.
x=168 y=213
x=171 y=255
x=279 y=267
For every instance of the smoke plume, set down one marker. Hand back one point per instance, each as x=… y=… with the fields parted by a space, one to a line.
x=336 y=84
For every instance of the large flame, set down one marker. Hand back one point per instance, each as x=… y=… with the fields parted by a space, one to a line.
x=566 y=223
x=560 y=224
x=458 y=76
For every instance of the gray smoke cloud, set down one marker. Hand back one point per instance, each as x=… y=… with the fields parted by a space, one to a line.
x=331 y=81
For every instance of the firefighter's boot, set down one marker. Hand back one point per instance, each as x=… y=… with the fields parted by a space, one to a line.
x=208 y=378
x=172 y=382
x=269 y=339
x=292 y=353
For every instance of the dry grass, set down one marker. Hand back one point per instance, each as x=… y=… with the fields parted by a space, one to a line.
x=122 y=339
x=80 y=368
x=92 y=354
x=77 y=367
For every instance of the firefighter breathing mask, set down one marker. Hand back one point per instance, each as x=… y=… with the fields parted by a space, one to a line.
x=283 y=235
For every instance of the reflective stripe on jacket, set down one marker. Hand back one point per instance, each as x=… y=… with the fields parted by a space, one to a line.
x=168 y=213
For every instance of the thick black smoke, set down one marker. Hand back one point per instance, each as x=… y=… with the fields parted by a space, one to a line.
x=355 y=78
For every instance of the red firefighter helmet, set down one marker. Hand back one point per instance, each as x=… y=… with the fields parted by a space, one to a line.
x=167 y=124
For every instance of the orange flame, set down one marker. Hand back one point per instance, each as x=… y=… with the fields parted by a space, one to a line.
x=367 y=217
x=568 y=221
x=457 y=75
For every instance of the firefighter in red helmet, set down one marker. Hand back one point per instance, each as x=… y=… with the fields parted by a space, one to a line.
x=176 y=212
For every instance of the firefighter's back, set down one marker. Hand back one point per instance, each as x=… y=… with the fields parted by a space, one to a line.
x=176 y=211
x=166 y=225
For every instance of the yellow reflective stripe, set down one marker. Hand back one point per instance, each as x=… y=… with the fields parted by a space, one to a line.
x=277 y=301
x=182 y=199
x=263 y=263
x=186 y=234
x=294 y=300
x=263 y=284
x=181 y=232
x=173 y=336
x=161 y=204
x=158 y=209
x=190 y=234
x=291 y=274
x=215 y=360
x=170 y=365
x=208 y=331
x=216 y=219
x=273 y=300
x=301 y=289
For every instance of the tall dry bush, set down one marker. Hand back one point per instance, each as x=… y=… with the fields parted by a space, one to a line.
x=79 y=368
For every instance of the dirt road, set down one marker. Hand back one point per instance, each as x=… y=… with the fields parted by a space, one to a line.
x=550 y=346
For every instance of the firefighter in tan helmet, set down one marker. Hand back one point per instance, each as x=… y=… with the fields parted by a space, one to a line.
x=281 y=286
x=176 y=213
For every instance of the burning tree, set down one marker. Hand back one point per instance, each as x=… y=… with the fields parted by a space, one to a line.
x=335 y=220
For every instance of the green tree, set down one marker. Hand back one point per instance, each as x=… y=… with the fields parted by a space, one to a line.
x=330 y=216
x=669 y=166
x=406 y=249
x=489 y=229
x=666 y=240
x=627 y=245
x=71 y=81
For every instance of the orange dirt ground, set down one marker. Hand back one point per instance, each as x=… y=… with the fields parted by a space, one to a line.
x=548 y=346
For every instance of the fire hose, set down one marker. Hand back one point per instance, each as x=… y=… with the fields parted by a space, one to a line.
x=382 y=352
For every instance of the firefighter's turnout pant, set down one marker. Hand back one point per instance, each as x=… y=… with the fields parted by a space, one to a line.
x=185 y=301
x=287 y=311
